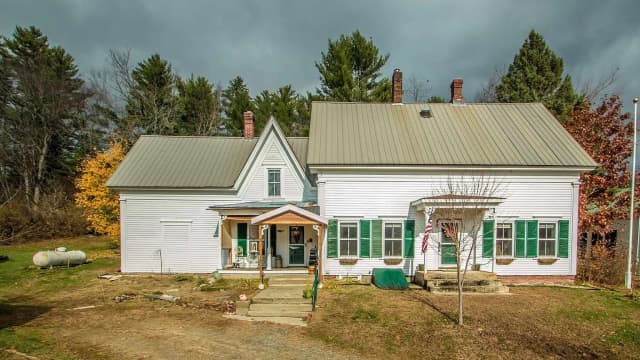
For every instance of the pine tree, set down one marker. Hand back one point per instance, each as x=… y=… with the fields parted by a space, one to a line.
x=291 y=110
x=235 y=101
x=152 y=102
x=43 y=102
x=536 y=76
x=199 y=107
x=350 y=70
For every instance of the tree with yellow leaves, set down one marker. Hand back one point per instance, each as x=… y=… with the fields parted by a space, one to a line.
x=100 y=205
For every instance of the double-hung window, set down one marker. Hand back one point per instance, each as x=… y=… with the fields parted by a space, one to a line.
x=547 y=239
x=273 y=182
x=393 y=239
x=504 y=240
x=348 y=239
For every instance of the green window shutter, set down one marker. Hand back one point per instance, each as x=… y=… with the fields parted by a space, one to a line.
x=242 y=237
x=563 y=238
x=488 y=227
x=532 y=238
x=376 y=238
x=409 y=237
x=521 y=238
x=332 y=239
x=365 y=238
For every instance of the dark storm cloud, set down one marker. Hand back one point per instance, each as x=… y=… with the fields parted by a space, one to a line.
x=272 y=43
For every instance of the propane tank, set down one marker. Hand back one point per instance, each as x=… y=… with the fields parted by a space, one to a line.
x=59 y=258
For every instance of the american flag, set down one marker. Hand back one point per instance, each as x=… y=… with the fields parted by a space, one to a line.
x=425 y=238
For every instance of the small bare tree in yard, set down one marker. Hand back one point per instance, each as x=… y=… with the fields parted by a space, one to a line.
x=463 y=203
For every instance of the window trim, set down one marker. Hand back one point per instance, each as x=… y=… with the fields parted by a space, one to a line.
x=384 y=238
x=513 y=240
x=555 y=240
x=266 y=182
x=349 y=221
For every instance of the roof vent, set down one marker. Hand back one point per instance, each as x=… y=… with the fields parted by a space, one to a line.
x=426 y=113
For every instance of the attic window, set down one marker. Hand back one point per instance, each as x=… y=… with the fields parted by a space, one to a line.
x=426 y=113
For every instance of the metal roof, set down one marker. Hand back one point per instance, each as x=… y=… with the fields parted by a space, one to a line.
x=299 y=147
x=189 y=161
x=455 y=134
x=183 y=161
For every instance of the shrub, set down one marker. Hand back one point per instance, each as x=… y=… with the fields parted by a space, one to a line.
x=602 y=264
x=100 y=205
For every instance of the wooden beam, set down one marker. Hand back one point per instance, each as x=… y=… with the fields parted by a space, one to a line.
x=260 y=247
x=320 y=257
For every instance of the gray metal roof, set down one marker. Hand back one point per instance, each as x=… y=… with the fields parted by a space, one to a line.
x=183 y=161
x=299 y=147
x=189 y=161
x=465 y=135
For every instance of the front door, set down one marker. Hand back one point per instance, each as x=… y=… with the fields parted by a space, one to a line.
x=296 y=246
x=447 y=247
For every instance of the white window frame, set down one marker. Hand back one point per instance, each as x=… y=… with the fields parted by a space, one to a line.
x=555 y=239
x=384 y=239
x=266 y=182
x=346 y=221
x=513 y=235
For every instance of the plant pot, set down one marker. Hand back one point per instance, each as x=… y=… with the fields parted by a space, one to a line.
x=312 y=269
x=420 y=267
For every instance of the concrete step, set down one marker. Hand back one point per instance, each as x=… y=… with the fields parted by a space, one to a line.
x=279 y=280
x=452 y=275
x=272 y=319
x=280 y=314
x=282 y=300
x=283 y=284
x=469 y=289
x=453 y=282
x=275 y=307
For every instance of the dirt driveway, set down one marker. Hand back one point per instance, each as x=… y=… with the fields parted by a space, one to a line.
x=145 y=329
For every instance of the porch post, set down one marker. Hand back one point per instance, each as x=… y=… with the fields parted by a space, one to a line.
x=320 y=254
x=260 y=247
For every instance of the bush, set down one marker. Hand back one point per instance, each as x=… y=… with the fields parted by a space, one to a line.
x=54 y=217
x=602 y=264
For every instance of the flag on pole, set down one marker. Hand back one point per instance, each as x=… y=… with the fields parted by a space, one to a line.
x=425 y=238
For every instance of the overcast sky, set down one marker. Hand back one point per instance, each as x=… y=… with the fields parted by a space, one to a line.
x=272 y=43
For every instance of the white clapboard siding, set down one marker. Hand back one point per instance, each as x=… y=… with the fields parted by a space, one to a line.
x=273 y=156
x=178 y=226
x=528 y=195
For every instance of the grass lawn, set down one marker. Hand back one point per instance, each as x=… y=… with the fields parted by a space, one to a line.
x=352 y=321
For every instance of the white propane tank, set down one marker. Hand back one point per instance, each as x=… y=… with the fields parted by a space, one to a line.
x=59 y=258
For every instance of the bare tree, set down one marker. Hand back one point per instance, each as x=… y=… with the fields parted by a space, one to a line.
x=463 y=204
x=487 y=94
x=592 y=89
x=416 y=90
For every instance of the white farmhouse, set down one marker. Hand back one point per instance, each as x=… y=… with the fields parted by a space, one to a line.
x=357 y=193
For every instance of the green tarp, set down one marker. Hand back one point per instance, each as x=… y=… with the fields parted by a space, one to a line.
x=389 y=279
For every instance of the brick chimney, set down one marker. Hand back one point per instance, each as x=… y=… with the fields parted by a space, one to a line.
x=396 y=87
x=248 y=124
x=456 y=92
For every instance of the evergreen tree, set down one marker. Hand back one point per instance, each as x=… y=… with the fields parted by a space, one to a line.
x=199 y=107
x=235 y=101
x=152 y=102
x=291 y=110
x=536 y=76
x=436 y=99
x=350 y=70
x=41 y=116
x=263 y=110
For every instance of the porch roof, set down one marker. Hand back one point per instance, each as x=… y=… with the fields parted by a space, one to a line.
x=267 y=205
x=456 y=200
x=289 y=212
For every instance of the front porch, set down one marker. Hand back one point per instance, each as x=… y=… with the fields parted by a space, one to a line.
x=270 y=238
